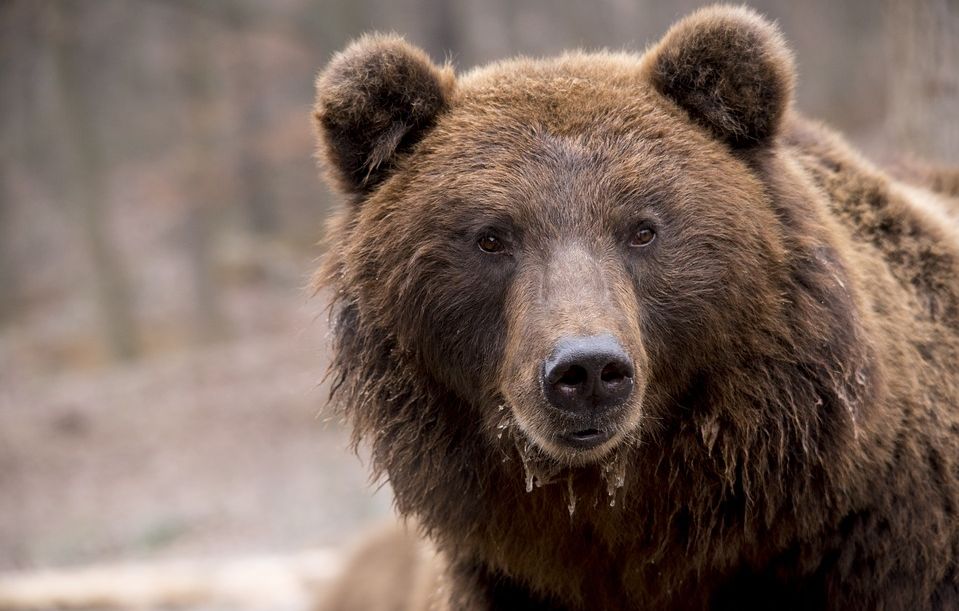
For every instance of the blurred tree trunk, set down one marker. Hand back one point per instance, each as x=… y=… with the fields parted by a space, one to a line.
x=202 y=184
x=442 y=27
x=430 y=24
x=8 y=275
x=255 y=187
x=86 y=187
x=10 y=120
x=489 y=31
x=924 y=85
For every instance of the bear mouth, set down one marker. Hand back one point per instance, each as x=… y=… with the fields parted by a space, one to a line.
x=565 y=439
x=585 y=439
x=601 y=452
x=567 y=443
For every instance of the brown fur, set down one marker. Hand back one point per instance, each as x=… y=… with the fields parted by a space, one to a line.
x=793 y=435
x=939 y=179
x=392 y=570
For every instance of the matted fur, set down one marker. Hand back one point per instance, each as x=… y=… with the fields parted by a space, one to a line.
x=793 y=439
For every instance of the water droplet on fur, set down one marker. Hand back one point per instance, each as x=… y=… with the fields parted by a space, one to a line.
x=538 y=470
x=614 y=472
x=504 y=424
x=527 y=471
x=710 y=432
x=501 y=407
x=860 y=378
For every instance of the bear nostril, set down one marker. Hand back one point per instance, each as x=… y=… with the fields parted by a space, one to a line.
x=573 y=376
x=613 y=373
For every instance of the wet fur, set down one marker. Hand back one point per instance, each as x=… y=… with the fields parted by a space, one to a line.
x=796 y=444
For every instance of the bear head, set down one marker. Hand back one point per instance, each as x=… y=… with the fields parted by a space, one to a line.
x=582 y=252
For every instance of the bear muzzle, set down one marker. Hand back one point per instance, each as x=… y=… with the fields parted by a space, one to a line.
x=586 y=378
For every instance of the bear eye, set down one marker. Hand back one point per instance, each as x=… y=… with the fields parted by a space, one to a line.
x=489 y=243
x=643 y=236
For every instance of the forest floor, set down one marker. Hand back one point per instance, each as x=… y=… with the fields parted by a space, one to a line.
x=217 y=454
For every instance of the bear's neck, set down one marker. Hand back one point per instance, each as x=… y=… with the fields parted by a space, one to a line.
x=666 y=513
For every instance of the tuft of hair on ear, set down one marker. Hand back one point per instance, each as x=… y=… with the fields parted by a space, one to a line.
x=729 y=69
x=374 y=101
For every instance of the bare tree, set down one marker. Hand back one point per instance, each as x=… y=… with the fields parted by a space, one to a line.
x=82 y=145
x=8 y=276
x=211 y=323
x=923 y=110
x=17 y=26
x=255 y=184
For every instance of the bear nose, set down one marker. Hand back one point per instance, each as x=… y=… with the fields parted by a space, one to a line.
x=587 y=374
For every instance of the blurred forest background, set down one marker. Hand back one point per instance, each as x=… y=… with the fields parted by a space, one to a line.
x=160 y=351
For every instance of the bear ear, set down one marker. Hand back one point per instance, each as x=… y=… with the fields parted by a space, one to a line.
x=374 y=101
x=730 y=69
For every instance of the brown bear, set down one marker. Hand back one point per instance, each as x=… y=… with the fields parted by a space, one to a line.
x=391 y=570
x=629 y=332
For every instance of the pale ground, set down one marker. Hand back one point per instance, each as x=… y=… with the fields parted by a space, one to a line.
x=219 y=456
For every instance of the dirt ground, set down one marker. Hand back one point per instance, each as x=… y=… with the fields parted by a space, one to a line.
x=216 y=453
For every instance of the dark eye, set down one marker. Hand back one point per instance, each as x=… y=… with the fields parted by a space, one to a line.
x=489 y=243
x=643 y=236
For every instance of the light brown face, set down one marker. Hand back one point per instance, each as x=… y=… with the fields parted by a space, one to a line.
x=568 y=241
x=575 y=369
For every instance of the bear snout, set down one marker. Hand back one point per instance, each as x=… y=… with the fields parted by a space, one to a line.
x=586 y=376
